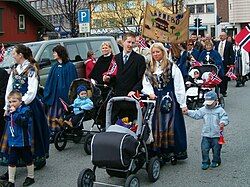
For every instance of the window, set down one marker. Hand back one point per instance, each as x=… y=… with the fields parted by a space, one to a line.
x=200 y=8
x=192 y=9
x=129 y=21
x=55 y=19
x=111 y=6
x=129 y=5
x=111 y=22
x=210 y=8
x=97 y=23
x=98 y=8
x=152 y=2
x=44 y=4
x=21 y=22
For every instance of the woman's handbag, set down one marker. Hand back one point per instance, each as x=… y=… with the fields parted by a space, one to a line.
x=166 y=104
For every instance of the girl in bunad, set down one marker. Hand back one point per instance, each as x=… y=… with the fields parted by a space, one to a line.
x=24 y=77
x=164 y=83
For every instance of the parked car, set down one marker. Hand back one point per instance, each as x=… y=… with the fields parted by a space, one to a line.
x=76 y=47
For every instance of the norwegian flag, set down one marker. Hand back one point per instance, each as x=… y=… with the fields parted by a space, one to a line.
x=243 y=38
x=65 y=107
x=2 y=53
x=112 y=68
x=137 y=97
x=195 y=62
x=214 y=78
x=230 y=74
x=141 y=43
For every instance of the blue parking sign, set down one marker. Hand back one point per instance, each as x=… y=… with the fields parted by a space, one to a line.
x=83 y=16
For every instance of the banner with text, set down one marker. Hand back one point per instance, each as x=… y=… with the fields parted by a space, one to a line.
x=163 y=27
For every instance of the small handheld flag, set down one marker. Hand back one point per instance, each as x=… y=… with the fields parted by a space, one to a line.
x=215 y=78
x=141 y=43
x=2 y=53
x=112 y=68
x=230 y=74
x=65 y=107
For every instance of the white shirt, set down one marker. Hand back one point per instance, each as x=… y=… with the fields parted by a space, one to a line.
x=179 y=86
x=29 y=96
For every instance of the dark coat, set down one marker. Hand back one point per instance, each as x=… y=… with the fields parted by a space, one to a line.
x=228 y=55
x=3 y=84
x=129 y=76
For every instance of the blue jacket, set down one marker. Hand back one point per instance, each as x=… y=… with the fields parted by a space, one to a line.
x=81 y=104
x=211 y=119
x=22 y=127
x=58 y=82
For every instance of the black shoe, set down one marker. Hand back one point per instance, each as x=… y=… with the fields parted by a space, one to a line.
x=40 y=165
x=224 y=94
x=9 y=184
x=5 y=176
x=28 y=181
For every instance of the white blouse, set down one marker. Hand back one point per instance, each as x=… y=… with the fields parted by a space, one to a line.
x=179 y=86
x=29 y=96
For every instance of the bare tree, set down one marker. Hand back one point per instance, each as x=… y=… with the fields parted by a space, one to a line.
x=122 y=15
x=67 y=11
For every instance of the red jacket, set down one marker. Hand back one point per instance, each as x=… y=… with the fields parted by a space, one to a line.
x=89 y=63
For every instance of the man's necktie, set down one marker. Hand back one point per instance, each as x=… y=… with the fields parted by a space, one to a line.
x=125 y=59
x=221 y=49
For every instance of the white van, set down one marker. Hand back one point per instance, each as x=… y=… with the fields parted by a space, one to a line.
x=76 y=47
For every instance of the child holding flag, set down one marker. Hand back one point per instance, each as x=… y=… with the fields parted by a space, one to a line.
x=81 y=103
x=214 y=117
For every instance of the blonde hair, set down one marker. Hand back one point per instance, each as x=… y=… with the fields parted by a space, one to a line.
x=165 y=61
x=108 y=44
x=15 y=94
x=208 y=42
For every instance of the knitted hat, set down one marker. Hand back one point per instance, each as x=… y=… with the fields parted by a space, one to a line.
x=81 y=88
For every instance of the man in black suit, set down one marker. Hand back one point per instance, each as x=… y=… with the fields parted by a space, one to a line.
x=197 y=44
x=225 y=48
x=3 y=84
x=131 y=67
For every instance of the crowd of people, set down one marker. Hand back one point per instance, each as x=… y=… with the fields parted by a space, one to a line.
x=155 y=69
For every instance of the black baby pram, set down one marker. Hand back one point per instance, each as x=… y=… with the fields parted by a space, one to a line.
x=120 y=151
x=76 y=132
x=196 y=92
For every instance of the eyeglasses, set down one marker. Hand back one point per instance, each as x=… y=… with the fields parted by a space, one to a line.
x=190 y=44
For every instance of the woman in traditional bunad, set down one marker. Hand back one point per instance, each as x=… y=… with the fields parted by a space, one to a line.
x=24 y=77
x=57 y=86
x=164 y=83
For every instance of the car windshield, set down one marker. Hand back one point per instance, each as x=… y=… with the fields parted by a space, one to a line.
x=8 y=57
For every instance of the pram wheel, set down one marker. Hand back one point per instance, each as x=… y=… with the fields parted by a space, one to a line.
x=153 y=169
x=87 y=143
x=132 y=181
x=60 y=141
x=173 y=160
x=86 y=178
x=77 y=133
x=222 y=101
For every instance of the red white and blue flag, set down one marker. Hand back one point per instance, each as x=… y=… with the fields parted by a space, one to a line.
x=195 y=62
x=141 y=43
x=112 y=68
x=230 y=74
x=2 y=53
x=137 y=97
x=243 y=38
x=214 y=78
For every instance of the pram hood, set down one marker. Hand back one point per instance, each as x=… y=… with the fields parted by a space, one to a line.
x=126 y=99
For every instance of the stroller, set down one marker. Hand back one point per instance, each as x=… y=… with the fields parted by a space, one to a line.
x=76 y=132
x=195 y=91
x=120 y=151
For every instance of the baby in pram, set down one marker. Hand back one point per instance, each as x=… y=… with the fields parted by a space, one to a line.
x=81 y=104
x=194 y=78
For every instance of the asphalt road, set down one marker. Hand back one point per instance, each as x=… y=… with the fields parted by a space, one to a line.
x=63 y=167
